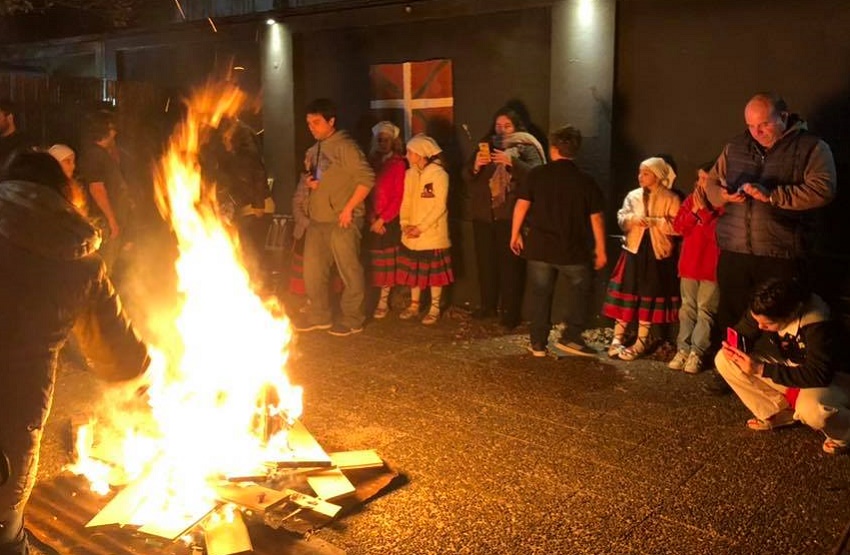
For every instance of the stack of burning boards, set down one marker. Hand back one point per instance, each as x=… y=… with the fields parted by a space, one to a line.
x=299 y=493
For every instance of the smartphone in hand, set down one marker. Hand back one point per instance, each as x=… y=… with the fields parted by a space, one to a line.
x=484 y=148
x=736 y=340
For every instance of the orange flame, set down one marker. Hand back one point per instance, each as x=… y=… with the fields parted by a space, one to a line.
x=220 y=398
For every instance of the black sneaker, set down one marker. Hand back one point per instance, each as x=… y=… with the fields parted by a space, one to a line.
x=538 y=350
x=341 y=330
x=575 y=347
x=304 y=325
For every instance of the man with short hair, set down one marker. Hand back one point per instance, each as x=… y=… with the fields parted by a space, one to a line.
x=11 y=138
x=771 y=180
x=566 y=235
x=100 y=169
x=339 y=180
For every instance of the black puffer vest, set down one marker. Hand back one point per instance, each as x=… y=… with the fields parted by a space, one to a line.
x=758 y=228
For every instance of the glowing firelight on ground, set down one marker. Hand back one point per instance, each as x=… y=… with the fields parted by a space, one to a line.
x=220 y=400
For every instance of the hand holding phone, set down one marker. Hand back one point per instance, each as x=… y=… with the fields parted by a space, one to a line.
x=482 y=158
x=734 y=339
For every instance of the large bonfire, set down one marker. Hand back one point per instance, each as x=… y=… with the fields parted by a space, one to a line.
x=220 y=403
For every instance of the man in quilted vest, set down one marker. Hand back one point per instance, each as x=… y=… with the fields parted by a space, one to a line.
x=771 y=180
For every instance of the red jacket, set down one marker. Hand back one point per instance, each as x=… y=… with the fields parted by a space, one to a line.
x=698 y=259
x=389 y=187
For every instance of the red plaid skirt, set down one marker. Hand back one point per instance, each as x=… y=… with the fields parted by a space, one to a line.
x=430 y=268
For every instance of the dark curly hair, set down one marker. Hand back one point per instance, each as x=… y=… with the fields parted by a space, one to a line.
x=778 y=298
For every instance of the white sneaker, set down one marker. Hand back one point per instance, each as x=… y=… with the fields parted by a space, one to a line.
x=678 y=362
x=694 y=364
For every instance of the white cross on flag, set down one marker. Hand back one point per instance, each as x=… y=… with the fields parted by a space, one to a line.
x=421 y=90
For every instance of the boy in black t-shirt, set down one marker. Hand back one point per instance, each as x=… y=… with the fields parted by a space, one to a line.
x=563 y=207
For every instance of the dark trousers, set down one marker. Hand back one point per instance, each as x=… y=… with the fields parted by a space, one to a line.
x=542 y=278
x=501 y=273
x=739 y=274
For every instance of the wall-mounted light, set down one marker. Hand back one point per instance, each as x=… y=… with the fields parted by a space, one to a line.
x=586 y=12
x=270 y=21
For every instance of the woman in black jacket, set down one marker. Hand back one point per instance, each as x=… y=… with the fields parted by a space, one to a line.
x=503 y=159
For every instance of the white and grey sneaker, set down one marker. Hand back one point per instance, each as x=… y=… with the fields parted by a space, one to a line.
x=678 y=362
x=694 y=364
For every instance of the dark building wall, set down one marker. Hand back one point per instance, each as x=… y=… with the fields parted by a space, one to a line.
x=685 y=69
x=495 y=57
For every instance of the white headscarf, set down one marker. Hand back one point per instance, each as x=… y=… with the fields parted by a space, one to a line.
x=60 y=151
x=661 y=169
x=385 y=127
x=424 y=146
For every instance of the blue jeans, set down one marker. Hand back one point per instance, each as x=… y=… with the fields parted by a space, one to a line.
x=697 y=314
x=542 y=277
x=327 y=244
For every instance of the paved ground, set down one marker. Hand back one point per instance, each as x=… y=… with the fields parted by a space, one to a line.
x=506 y=453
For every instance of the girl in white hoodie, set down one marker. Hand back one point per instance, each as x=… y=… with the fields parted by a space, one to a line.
x=425 y=259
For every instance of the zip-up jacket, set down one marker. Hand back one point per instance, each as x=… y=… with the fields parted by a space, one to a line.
x=799 y=174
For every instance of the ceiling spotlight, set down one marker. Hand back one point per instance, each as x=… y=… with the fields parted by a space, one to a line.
x=270 y=21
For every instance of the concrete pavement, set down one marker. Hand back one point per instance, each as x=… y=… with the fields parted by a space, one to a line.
x=506 y=453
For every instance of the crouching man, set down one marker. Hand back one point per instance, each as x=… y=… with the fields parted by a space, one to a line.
x=792 y=373
x=51 y=281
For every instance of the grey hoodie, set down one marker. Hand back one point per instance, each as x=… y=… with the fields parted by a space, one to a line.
x=342 y=166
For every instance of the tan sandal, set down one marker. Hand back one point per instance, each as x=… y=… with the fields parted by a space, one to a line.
x=615 y=348
x=835 y=447
x=412 y=311
x=781 y=419
x=431 y=318
x=381 y=312
x=635 y=351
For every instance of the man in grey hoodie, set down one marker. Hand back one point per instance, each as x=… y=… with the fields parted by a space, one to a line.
x=339 y=179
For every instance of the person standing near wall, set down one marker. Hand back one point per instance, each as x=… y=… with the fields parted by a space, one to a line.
x=100 y=168
x=500 y=164
x=384 y=235
x=11 y=138
x=425 y=259
x=566 y=236
x=340 y=182
x=696 y=222
x=643 y=285
x=770 y=180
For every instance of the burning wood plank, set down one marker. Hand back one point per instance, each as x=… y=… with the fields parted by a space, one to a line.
x=251 y=496
x=227 y=535
x=355 y=460
x=330 y=484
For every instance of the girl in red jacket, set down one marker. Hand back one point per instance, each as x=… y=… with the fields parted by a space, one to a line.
x=696 y=222
x=384 y=236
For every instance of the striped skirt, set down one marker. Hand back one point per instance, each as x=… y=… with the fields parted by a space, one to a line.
x=429 y=268
x=383 y=255
x=643 y=288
